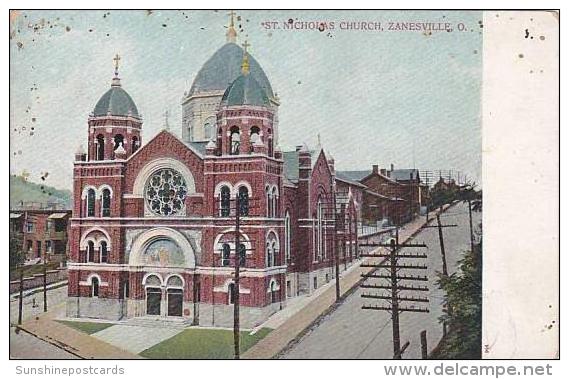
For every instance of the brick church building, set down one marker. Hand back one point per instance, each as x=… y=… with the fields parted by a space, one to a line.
x=153 y=227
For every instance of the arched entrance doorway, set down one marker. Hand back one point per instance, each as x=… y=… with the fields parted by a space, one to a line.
x=175 y=296
x=164 y=255
x=165 y=300
x=153 y=288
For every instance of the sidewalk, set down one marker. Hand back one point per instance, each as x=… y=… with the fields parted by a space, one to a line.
x=83 y=345
x=32 y=291
x=304 y=317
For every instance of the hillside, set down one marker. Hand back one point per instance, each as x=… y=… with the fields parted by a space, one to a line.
x=26 y=191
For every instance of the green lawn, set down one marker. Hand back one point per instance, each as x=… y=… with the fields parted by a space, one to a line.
x=196 y=343
x=86 y=327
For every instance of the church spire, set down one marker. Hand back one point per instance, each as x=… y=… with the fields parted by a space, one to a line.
x=231 y=34
x=245 y=64
x=116 y=80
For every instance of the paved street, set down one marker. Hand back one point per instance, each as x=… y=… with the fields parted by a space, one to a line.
x=33 y=304
x=350 y=332
x=25 y=346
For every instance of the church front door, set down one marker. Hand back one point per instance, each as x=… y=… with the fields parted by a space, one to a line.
x=175 y=302
x=153 y=300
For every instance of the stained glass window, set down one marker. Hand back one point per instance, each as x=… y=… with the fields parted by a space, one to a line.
x=166 y=192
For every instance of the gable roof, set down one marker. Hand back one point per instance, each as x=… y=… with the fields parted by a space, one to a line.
x=189 y=145
x=344 y=178
x=353 y=175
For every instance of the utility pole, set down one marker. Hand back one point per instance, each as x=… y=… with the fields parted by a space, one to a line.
x=236 y=281
x=442 y=245
x=21 y=298
x=471 y=230
x=440 y=227
x=393 y=297
x=335 y=244
x=242 y=207
x=45 y=281
x=424 y=349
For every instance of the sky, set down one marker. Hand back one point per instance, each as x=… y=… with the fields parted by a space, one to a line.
x=410 y=98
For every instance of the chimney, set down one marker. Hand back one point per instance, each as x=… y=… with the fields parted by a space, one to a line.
x=383 y=172
x=298 y=147
x=392 y=167
x=375 y=169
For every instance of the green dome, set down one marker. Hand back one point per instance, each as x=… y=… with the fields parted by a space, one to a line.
x=245 y=90
x=116 y=101
x=224 y=67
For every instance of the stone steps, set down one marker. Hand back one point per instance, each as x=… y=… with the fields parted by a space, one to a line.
x=172 y=323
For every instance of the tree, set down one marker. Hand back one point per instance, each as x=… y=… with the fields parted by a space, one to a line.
x=468 y=193
x=463 y=309
x=17 y=255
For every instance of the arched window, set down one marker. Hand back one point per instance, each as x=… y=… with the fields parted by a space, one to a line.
x=106 y=203
x=275 y=206
x=100 y=148
x=219 y=141
x=231 y=293
x=243 y=194
x=135 y=144
x=275 y=253
x=153 y=280
x=319 y=228
x=94 y=287
x=269 y=201
x=254 y=136
x=269 y=254
x=272 y=250
x=224 y=201
x=91 y=203
x=225 y=253
x=119 y=141
x=175 y=281
x=287 y=236
x=90 y=251
x=234 y=140
x=270 y=143
x=104 y=252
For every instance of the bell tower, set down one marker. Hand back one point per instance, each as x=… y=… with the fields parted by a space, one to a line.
x=245 y=118
x=115 y=124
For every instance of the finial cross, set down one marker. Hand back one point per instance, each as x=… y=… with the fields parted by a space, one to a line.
x=231 y=14
x=117 y=59
x=246 y=45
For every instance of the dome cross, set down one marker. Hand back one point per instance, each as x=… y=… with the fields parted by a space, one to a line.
x=117 y=59
x=231 y=34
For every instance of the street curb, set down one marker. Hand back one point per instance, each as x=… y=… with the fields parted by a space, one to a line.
x=57 y=344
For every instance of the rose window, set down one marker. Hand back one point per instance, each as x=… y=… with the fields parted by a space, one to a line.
x=166 y=191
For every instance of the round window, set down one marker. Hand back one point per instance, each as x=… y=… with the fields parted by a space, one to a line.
x=166 y=192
